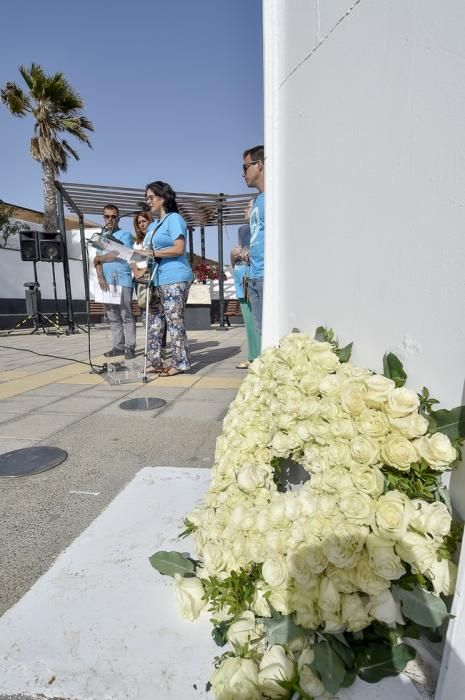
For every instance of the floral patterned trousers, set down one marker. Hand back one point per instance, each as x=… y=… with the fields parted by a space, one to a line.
x=169 y=305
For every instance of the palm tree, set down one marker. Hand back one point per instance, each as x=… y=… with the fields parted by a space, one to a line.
x=55 y=106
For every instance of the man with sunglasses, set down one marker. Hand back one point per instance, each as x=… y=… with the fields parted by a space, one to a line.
x=254 y=176
x=114 y=272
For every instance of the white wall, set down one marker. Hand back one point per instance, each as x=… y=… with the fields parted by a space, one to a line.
x=14 y=272
x=365 y=143
x=365 y=203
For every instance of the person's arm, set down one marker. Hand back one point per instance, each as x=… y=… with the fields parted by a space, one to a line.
x=99 y=270
x=172 y=251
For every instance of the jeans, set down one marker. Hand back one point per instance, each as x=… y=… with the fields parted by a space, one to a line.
x=122 y=321
x=256 y=301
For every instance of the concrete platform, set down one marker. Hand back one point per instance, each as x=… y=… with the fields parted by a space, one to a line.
x=103 y=625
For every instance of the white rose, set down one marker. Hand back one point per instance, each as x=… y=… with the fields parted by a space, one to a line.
x=343 y=428
x=384 y=608
x=274 y=571
x=339 y=453
x=364 y=450
x=328 y=409
x=275 y=666
x=343 y=579
x=279 y=445
x=401 y=402
x=398 y=452
x=309 y=383
x=292 y=507
x=329 y=600
x=279 y=598
x=353 y=399
x=310 y=558
x=213 y=557
x=331 y=385
x=383 y=558
x=299 y=569
x=328 y=361
x=262 y=522
x=259 y=604
x=236 y=679
x=243 y=630
x=277 y=512
x=276 y=540
x=431 y=518
x=304 y=430
x=378 y=388
x=443 y=576
x=369 y=480
x=308 y=406
x=393 y=513
x=343 y=547
x=356 y=507
x=436 y=450
x=367 y=579
x=308 y=681
x=251 y=478
x=417 y=551
x=256 y=548
x=189 y=595
x=373 y=423
x=411 y=426
x=353 y=613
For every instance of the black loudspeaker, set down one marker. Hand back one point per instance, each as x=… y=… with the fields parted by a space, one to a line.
x=50 y=247
x=29 y=245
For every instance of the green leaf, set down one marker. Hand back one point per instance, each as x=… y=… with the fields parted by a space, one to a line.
x=344 y=353
x=452 y=422
x=329 y=666
x=171 y=563
x=344 y=651
x=349 y=678
x=281 y=629
x=378 y=661
x=220 y=631
x=422 y=607
x=393 y=369
x=320 y=334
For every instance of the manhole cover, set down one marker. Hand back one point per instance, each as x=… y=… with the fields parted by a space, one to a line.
x=30 y=460
x=142 y=404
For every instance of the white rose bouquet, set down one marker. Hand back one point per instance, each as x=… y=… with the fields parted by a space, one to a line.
x=326 y=534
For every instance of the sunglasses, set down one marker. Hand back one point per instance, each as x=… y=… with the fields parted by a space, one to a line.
x=246 y=166
x=110 y=216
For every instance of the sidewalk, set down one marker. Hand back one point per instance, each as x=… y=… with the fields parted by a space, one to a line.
x=56 y=402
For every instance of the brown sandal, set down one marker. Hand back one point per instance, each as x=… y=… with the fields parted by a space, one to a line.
x=155 y=370
x=170 y=372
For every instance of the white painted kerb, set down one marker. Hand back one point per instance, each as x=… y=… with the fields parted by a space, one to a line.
x=103 y=625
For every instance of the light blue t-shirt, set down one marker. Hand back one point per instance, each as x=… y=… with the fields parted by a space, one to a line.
x=118 y=272
x=170 y=270
x=257 y=238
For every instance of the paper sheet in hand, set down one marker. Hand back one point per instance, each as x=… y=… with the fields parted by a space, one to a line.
x=111 y=296
x=121 y=251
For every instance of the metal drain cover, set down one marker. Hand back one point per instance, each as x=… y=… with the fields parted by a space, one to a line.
x=147 y=403
x=30 y=460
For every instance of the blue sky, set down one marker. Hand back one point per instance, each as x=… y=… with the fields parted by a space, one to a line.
x=174 y=90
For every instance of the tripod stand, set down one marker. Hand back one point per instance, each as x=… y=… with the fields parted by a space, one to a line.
x=33 y=311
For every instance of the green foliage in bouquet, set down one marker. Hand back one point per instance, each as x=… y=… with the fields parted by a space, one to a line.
x=316 y=582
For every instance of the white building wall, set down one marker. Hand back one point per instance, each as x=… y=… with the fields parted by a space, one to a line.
x=365 y=161
x=365 y=195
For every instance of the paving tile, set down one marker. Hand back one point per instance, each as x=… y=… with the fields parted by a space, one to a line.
x=54 y=390
x=10 y=444
x=202 y=411
x=5 y=417
x=219 y=382
x=25 y=403
x=37 y=426
x=80 y=379
x=76 y=405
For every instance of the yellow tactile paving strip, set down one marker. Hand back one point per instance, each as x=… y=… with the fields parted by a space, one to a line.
x=39 y=379
x=16 y=382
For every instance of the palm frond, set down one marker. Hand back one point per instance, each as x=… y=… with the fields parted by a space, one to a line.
x=70 y=150
x=15 y=100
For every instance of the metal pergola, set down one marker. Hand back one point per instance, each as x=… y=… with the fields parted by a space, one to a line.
x=198 y=209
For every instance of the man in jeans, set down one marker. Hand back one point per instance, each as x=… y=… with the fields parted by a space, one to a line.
x=114 y=272
x=254 y=176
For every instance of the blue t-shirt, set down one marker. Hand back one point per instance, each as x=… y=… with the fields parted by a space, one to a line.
x=119 y=272
x=170 y=270
x=257 y=238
